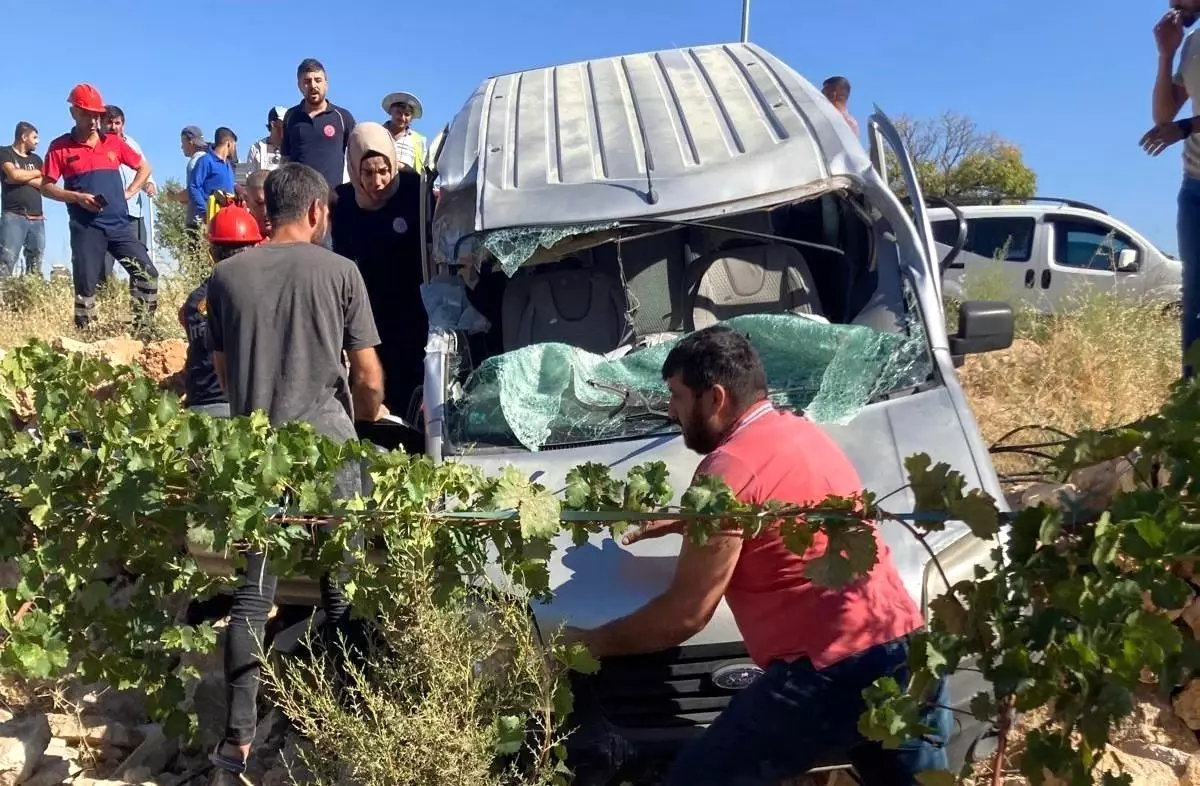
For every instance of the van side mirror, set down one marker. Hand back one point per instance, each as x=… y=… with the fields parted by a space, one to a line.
x=983 y=326
x=1127 y=261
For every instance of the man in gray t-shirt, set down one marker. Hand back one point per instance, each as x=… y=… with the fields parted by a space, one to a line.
x=280 y=317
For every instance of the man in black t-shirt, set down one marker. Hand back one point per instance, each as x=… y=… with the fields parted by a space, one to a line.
x=22 y=224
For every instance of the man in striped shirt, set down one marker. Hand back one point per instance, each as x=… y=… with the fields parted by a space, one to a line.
x=139 y=205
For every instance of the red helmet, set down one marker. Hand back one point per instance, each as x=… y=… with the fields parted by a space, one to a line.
x=86 y=98
x=233 y=224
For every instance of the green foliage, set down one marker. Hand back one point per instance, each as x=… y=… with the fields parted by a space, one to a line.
x=189 y=252
x=954 y=159
x=99 y=501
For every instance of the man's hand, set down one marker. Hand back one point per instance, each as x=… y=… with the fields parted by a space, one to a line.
x=87 y=202
x=1161 y=137
x=1168 y=33
x=654 y=529
x=151 y=190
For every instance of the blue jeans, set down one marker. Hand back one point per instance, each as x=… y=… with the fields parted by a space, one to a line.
x=795 y=717
x=17 y=234
x=1188 y=227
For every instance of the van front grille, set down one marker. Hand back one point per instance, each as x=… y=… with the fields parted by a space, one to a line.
x=668 y=689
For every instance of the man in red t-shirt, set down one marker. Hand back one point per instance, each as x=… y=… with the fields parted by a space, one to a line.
x=819 y=647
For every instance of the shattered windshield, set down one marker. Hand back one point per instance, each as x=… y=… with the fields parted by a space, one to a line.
x=552 y=394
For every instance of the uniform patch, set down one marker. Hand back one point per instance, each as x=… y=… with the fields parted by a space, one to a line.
x=330 y=131
x=399 y=225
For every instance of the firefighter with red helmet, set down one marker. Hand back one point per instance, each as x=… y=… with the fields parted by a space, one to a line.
x=232 y=229
x=89 y=161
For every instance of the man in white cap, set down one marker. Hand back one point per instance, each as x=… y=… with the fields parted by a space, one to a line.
x=264 y=154
x=402 y=109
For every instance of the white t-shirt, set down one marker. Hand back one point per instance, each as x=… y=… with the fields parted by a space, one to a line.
x=1188 y=75
x=263 y=155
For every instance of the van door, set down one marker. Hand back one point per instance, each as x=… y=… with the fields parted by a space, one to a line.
x=1082 y=261
x=880 y=125
x=997 y=260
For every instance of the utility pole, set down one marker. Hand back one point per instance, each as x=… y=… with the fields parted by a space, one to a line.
x=745 y=21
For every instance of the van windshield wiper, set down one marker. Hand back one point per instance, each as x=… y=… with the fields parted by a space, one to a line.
x=631 y=398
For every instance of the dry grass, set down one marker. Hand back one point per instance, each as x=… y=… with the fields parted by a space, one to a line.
x=1104 y=364
x=44 y=309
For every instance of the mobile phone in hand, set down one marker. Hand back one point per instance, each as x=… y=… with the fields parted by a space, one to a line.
x=100 y=200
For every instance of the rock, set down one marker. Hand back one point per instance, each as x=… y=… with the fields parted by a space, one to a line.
x=22 y=743
x=94 y=731
x=1177 y=760
x=53 y=770
x=1055 y=495
x=154 y=754
x=1187 y=704
x=1100 y=483
x=1172 y=614
x=1191 y=773
x=1191 y=615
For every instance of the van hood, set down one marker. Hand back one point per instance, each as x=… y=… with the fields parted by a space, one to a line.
x=602 y=580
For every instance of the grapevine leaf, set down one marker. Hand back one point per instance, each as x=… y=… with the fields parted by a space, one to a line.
x=510 y=734
x=576 y=657
x=850 y=553
x=949 y=614
x=978 y=511
x=540 y=514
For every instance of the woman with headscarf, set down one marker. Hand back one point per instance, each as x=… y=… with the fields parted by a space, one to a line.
x=375 y=221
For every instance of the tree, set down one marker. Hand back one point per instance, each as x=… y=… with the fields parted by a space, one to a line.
x=189 y=253
x=955 y=159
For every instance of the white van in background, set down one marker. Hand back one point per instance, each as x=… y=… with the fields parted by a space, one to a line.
x=1049 y=253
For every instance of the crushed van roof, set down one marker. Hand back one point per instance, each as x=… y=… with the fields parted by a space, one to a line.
x=709 y=125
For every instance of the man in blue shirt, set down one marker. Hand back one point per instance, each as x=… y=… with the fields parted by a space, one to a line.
x=213 y=172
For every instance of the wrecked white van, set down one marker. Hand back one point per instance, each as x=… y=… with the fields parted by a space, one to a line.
x=590 y=214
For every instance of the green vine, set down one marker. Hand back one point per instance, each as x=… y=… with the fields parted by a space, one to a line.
x=104 y=480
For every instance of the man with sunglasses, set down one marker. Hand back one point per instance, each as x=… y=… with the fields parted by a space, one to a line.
x=1172 y=87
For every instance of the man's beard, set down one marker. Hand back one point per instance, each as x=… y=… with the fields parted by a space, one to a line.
x=698 y=436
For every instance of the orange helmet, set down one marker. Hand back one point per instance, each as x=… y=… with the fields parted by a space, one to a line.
x=86 y=98
x=233 y=224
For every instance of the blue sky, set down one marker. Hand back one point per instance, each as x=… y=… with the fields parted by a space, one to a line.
x=1069 y=82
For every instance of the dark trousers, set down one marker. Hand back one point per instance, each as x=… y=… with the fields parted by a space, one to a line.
x=795 y=717
x=138 y=225
x=244 y=648
x=1188 y=227
x=89 y=244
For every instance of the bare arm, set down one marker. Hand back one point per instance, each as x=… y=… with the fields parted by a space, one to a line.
x=55 y=192
x=1168 y=96
x=701 y=576
x=21 y=176
x=366 y=384
x=141 y=175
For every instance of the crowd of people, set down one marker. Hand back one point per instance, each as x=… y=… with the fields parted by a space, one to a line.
x=107 y=183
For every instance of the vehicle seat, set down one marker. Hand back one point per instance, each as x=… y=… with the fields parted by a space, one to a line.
x=770 y=278
x=582 y=306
